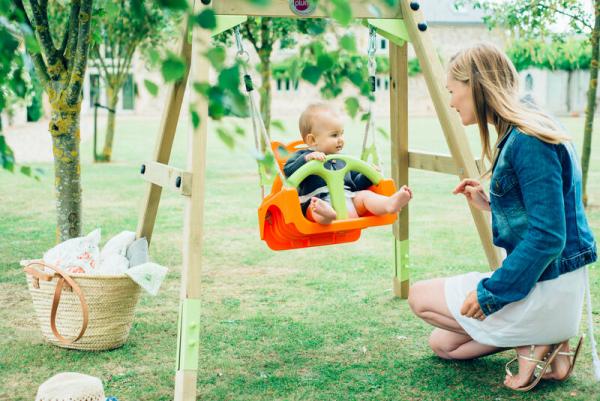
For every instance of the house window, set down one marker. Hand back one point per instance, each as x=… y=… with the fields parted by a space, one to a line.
x=528 y=83
x=128 y=93
x=383 y=44
x=94 y=89
x=278 y=84
x=287 y=84
x=107 y=49
x=387 y=84
x=296 y=84
x=378 y=83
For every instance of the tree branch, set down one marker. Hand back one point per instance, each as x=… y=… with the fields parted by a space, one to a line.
x=102 y=64
x=251 y=36
x=566 y=14
x=40 y=17
x=38 y=61
x=40 y=69
x=81 y=54
x=67 y=49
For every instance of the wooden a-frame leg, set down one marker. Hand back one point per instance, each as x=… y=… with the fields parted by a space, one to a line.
x=193 y=224
x=164 y=143
x=451 y=125
x=399 y=148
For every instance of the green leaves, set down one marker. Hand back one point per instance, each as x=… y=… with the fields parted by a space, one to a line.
x=151 y=87
x=216 y=56
x=342 y=12
x=206 y=19
x=352 y=106
x=7 y=157
x=279 y=125
x=173 y=68
x=348 y=42
x=195 y=117
x=174 y=4
x=325 y=62
x=311 y=73
x=226 y=137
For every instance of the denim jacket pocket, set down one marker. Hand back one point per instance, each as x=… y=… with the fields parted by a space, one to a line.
x=500 y=186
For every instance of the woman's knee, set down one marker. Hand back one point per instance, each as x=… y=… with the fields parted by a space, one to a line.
x=417 y=297
x=438 y=345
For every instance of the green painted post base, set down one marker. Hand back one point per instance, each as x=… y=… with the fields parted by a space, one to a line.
x=401 y=281
x=188 y=336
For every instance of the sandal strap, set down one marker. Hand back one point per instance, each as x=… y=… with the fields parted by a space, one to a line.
x=527 y=358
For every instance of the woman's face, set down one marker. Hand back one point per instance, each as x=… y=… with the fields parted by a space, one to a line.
x=461 y=99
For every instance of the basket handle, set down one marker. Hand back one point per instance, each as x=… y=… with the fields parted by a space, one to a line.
x=64 y=276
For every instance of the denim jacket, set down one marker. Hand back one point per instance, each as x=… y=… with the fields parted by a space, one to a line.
x=537 y=216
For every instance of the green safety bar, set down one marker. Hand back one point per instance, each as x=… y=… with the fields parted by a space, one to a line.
x=335 y=178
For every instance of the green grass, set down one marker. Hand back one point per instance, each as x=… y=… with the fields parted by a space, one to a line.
x=318 y=324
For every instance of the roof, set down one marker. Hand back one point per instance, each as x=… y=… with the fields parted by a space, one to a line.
x=444 y=12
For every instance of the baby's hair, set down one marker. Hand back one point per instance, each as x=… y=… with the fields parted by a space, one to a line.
x=307 y=117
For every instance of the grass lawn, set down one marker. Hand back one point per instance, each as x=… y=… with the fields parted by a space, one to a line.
x=318 y=324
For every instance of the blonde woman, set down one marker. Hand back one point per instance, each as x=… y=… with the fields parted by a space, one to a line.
x=533 y=301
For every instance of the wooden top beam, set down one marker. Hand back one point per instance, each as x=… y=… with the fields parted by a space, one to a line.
x=281 y=8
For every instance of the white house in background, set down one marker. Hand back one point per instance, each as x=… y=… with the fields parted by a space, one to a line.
x=556 y=91
x=450 y=30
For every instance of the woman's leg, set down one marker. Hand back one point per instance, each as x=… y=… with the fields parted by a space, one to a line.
x=449 y=345
x=427 y=299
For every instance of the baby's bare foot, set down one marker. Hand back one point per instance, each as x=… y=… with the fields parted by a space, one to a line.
x=322 y=211
x=398 y=200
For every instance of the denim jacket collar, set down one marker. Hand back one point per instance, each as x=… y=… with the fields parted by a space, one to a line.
x=502 y=142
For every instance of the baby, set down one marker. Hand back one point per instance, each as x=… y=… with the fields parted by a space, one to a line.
x=322 y=130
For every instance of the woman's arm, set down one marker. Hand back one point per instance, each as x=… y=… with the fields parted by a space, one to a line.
x=539 y=174
x=474 y=193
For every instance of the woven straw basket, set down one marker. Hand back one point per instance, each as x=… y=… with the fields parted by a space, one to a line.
x=82 y=311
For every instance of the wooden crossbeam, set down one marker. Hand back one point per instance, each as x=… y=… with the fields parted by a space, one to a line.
x=281 y=8
x=437 y=163
x=169 y=177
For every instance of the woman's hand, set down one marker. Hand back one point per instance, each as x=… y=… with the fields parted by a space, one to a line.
x=315 y=156
x=471 y=308
x=474 y=193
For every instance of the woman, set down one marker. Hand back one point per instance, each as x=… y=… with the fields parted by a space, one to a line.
x=533 y=301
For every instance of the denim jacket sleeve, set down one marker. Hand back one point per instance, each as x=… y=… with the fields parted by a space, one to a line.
x=538 y=171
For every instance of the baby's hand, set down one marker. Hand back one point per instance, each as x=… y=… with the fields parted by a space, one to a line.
x=315 y=156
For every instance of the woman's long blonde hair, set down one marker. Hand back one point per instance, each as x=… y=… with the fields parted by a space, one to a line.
x=494 y=83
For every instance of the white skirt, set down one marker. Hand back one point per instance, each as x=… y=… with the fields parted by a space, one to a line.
x=551 y=313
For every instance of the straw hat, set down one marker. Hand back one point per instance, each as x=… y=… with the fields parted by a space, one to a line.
x=71 y=386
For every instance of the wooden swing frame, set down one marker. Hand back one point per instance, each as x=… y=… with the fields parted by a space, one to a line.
x=191 y=182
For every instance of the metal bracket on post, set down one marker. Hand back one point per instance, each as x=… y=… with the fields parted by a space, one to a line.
x=188 y=336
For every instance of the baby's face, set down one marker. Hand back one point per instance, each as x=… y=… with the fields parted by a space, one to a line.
x=327 y=133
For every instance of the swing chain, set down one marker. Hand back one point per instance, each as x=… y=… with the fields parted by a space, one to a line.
x=371 y=51
x=242 y=54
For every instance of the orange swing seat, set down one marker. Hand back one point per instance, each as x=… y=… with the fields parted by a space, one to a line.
x=283 y=226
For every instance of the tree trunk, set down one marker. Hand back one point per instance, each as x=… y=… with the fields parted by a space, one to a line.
x=64 y=128
x=591 y=101
x=265 y=90
x=569 y=82
x=112 y=96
